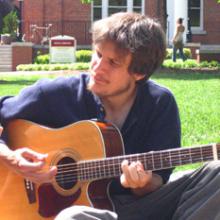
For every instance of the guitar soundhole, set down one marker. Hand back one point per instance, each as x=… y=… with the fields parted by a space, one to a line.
x=67 y=173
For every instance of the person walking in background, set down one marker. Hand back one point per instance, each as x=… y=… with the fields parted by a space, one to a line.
x=178 y=40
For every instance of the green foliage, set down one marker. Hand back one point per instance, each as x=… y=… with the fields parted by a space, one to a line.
x=10 y=24
x=86 y=1
x=190 y=64
x=52 y=67
x=42 y=59
x=82 y=56
x=186 y=51
x=211 y=64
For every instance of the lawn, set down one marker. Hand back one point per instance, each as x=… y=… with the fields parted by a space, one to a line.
x=197 y=95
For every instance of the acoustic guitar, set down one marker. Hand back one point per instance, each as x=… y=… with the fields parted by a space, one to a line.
x=88 y=154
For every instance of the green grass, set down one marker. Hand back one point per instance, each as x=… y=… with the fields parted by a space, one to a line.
x=197 y=95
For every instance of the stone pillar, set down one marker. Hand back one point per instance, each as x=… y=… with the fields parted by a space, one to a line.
x=181 y=11
x=170 y=21
x=22 y=53
x=176 y=9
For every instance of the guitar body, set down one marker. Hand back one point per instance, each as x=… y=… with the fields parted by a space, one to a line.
x=85 y=140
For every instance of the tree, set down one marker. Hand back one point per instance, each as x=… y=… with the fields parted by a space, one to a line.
x=5 y=7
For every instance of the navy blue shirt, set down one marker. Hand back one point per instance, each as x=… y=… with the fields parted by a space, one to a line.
x=152 y=123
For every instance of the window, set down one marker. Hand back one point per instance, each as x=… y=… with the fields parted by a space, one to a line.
x=195 y=13
x=97 y=9
x=104 y=8
x=137 y=6
x=117 y=6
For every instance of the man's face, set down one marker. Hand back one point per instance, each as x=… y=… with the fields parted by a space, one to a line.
x=109 y=71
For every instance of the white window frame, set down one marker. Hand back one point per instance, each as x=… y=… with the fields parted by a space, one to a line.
x=201 y=27
x=105 y=7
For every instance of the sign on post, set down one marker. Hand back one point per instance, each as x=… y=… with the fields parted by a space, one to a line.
x=62 y=49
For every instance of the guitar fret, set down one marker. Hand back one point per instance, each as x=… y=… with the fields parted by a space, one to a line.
x=185 y=156
x=201 y=156
x=196 y=155
x=207 y=155
x=175 y=158
x=157 y=160
x=148 y=161
x=166 y=162
x=114 y=170
x=190 y=155
x=154 y=160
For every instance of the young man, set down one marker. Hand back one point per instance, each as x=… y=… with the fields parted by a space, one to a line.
x=128 y=48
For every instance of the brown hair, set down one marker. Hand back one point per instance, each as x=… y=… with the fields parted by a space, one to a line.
x=135 y=33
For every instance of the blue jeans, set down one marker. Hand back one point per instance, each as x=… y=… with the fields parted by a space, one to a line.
x=182 y=56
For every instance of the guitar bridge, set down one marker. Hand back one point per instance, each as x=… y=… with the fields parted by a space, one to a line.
x=30 y=190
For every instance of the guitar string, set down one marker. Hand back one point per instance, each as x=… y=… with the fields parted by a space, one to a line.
x=147 y=156
x=146 y=159
x=104 y=172
x=99 y=167
x=89 y=176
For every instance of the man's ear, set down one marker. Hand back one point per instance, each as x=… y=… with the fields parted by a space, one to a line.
x=138 y=76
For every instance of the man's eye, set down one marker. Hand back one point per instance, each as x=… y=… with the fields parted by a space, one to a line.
x=114 y=62
x=99 y=54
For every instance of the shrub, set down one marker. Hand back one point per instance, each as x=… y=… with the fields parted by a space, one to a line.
x=42 y=59
x=82 y=56
x=214 y=63
x=49 y=67
x=169 y=53
x=179 y=64
x=204 y=64
x=190 y=63
x=186 y=51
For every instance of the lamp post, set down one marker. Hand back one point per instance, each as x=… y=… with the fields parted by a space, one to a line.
x=20 y=25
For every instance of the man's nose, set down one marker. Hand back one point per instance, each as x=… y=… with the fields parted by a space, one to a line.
x=99 y=64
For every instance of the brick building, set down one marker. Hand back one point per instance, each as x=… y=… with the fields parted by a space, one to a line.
x=71 y=17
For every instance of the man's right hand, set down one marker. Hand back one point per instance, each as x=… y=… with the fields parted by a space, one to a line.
x=27 y=163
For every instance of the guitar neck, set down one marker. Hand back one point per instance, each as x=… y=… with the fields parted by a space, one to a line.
x=154 y=160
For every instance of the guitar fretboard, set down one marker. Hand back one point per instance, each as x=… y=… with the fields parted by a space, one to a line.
x=154 y=160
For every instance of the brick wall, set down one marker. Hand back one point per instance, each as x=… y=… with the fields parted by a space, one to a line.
x=211 y=24
x=21 y=54
x=68 y=17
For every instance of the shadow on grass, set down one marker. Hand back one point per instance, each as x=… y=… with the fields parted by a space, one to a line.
x=17 y=82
